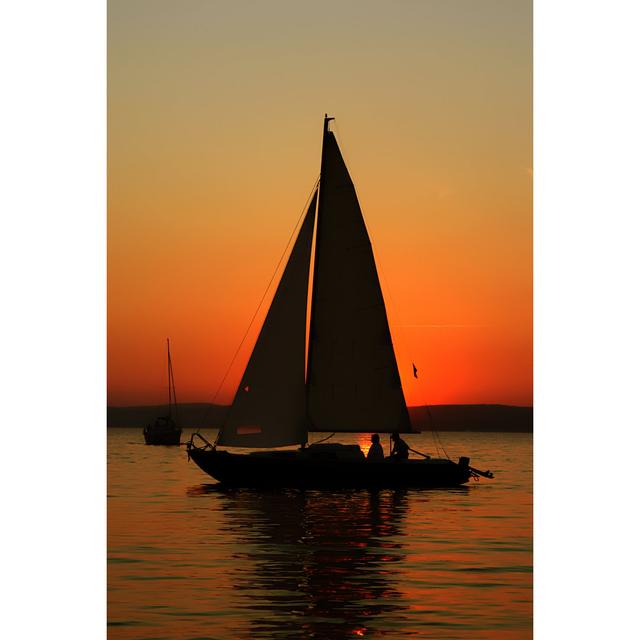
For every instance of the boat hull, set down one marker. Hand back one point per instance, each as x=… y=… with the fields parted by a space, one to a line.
x=296 y=470
x=162 y=436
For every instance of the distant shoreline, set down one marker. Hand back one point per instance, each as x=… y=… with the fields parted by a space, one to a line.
x=442 y=417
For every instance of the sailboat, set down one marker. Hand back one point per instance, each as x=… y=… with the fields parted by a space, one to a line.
x=165 y=430
x=351 y=382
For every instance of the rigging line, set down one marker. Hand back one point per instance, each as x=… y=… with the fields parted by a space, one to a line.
x=172 y=382
x=324 y=439
x=436 y=433
x=441 y=445
x=435 y=442
x=264 y=295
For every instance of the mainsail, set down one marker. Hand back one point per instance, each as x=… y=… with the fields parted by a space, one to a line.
x=269 y=406
x=352 y=377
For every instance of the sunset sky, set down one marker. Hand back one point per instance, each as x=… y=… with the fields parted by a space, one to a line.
x=214 y=134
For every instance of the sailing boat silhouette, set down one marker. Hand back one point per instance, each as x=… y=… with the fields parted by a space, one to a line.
x=165 y=429
x=352 y=381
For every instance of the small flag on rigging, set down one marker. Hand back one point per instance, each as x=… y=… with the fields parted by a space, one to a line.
x=415 y=371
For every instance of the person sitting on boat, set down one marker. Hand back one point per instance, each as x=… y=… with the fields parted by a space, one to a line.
x=400 y=449
x=375 y=453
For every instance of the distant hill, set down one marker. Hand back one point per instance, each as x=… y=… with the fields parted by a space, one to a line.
x=191 y=415
x=473 y=417
x=442 y=417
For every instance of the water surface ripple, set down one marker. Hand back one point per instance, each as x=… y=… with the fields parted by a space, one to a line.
x=189 y=560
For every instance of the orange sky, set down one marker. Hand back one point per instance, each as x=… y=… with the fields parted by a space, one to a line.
x=214 y=133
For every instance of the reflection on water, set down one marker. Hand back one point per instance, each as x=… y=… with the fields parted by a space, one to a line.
x=190 y=560
x=322 y=565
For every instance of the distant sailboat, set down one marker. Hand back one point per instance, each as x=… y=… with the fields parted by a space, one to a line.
x=352 y=382
x=165 y=430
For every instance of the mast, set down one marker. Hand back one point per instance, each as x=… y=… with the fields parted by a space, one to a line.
x=169 y=373
x=325 y=130
x=172 y=383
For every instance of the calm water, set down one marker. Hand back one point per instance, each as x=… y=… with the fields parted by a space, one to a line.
x=187 y=560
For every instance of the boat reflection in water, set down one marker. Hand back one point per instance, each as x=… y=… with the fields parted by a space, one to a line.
x=317 y=564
